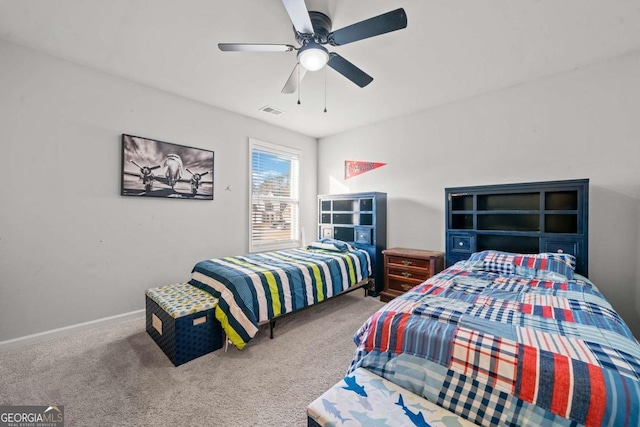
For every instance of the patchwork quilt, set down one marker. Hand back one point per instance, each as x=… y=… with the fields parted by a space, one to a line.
x=256 y=288
x=503 y=349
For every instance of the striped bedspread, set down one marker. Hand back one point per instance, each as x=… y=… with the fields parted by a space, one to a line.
x=508 y=350
x=256 y=288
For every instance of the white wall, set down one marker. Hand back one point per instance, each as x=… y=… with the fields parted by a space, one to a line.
x=72 y=249
x=580 y=124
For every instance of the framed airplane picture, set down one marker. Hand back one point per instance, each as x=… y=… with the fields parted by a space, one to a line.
x=152 y=168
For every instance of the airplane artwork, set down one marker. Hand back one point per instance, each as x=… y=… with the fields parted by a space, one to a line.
x=158 y=169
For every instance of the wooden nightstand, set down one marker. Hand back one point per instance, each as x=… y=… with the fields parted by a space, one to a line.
x=406 y=268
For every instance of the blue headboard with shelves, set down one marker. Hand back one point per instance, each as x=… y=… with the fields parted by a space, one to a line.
x=532 y=217
x=359 y=219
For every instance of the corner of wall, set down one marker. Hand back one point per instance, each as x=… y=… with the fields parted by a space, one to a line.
x=637 y=332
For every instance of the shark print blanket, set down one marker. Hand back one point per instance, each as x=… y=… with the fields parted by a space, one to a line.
x=365 y=399
x=256 y=288
x=504 y=349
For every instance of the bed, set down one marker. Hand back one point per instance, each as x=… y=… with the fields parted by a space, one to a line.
x=508 y=339
x=259 y=288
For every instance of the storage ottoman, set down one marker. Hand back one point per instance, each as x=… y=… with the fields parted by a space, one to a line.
x=180 y=319
x=365 y=399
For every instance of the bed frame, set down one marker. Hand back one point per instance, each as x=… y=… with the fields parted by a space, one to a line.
x=360 y=285
x=272 y=322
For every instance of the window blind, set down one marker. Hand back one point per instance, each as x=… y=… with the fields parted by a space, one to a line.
x=275 y=211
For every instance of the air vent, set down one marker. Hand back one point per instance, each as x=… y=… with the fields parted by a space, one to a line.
x=271 y=110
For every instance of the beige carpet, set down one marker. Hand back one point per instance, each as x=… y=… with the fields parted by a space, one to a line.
x=118 y=376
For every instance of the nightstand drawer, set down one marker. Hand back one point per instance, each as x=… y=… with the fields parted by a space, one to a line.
x=407 y=262
x=409 y=274
x=401 y=285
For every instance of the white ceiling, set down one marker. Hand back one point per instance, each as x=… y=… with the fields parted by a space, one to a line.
x=450 y=50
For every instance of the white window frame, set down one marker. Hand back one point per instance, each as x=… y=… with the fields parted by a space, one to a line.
x=294 y=199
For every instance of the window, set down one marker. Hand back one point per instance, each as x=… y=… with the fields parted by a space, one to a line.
x=275 y=204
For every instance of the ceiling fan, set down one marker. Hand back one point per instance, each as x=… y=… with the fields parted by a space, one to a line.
x=313 y=31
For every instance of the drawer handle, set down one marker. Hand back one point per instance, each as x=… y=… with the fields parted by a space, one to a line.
x=460 y=244
x=406 y=262
x=406 y=274
x=560 y=251
x=405 y=286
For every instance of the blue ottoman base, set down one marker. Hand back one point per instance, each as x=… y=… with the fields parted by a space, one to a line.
x=184 y=338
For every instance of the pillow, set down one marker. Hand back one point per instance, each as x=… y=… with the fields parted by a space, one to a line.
x=496 y=262
x=549 y=266
x=330 y=245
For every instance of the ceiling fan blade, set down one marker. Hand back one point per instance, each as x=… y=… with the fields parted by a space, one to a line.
x=349 y=70
x=292 y=82
x=248 y=47
x=299 y=15
x=381 y=24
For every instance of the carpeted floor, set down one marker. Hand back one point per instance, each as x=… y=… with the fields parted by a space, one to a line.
x=117 y=376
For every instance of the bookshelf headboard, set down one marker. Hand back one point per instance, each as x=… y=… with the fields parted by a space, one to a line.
x=359 y=219
x=533 y=217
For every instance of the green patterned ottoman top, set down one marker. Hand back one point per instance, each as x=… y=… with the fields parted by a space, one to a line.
x=181 y=299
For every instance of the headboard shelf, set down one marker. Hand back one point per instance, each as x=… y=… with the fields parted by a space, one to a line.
x=533 y=217
x=359 y=219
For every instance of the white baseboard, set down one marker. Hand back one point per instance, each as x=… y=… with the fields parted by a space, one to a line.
x=68 y=330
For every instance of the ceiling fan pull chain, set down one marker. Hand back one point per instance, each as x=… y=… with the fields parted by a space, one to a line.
x=325 y=89
x=299 y=83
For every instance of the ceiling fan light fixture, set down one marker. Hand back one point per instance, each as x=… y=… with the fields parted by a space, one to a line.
x=313 y=56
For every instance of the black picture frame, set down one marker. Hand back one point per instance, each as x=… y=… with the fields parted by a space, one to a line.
x=152 y=168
